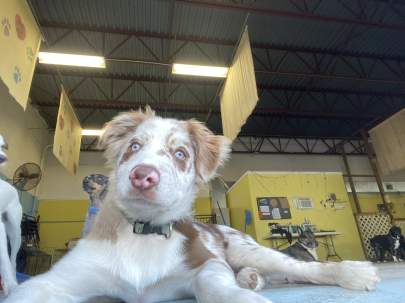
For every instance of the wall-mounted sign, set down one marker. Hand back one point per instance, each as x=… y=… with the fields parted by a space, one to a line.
x=239 y=94
x=273 y=208
x=67 y=140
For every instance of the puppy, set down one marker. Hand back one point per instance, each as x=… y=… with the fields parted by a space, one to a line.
x=11 y=215
x=144 y=246
x=401 y=248
x=387 y=243
x=305 y=247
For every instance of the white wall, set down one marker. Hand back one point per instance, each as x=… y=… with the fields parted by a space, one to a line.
x=241 y=163
x=26 y=132
x=58 y=183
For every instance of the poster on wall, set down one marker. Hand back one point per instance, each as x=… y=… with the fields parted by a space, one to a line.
x=239 y=94
x=68 y=134
x=273 y=208
x=20 y=40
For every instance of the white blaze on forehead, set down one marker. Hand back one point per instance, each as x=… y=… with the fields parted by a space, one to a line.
x=159 y=129
x=158 y=133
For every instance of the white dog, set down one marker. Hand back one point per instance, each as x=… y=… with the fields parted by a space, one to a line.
x=11 y=214
x=144 y=247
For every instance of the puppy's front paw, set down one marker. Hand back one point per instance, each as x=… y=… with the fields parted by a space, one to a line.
x=8 y=286
x=250 y=278
x=357 y=275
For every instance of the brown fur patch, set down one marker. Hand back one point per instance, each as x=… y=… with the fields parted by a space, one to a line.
x=180 y=163
x=128 y=153
x=107 y=222
x=212 y=229
x=196 y=252
x=118 y=130
x=210 y=150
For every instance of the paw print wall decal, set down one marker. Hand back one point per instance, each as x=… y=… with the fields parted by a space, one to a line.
x=20 y=27
x=17 y=75
x=30 y=54
x=6 y=26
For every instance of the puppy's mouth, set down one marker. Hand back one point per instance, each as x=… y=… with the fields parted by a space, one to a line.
x=146 y=194
x=3 y=159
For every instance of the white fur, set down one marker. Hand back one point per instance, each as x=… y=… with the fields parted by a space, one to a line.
x=396 y=244
x=312 y=251
x=151 y=268
x=11 y=214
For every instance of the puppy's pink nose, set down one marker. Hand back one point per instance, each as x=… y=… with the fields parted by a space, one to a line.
x=144 y=177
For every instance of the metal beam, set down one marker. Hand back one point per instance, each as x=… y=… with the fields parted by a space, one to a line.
x=181 y=108
x=294 y=15
x=197 y=80
x=185 y=80
x=293 y=145
x=104 y=75
x=216 y=41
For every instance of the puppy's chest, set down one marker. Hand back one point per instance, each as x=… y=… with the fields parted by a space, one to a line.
x=142 y=260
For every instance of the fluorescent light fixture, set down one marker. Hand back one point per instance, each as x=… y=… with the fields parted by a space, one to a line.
x=71 y=59
x=92 y=132
x=199 y=70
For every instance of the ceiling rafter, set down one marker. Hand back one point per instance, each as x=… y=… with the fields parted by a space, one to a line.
x=367 y=21
x=189 y=108
x=216 y=41
x=191 y=80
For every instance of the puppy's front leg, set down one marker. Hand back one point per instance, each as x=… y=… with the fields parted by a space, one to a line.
x=78 y=276
x=215 y=283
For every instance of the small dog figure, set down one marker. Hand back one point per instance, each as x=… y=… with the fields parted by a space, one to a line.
x=387 y=243
x=305 y=247
x=96 y=186
x=11 y=215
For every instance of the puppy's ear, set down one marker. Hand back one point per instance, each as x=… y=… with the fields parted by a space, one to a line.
x=118 y=129
x=211 y=151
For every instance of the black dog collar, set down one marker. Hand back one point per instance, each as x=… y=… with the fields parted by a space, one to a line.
x=145 y=228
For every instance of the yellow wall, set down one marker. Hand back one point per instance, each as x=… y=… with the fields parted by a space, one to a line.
x=316 y=186
x=239 y=201
x=55 y=235
x=202 y=206
x=369 y=201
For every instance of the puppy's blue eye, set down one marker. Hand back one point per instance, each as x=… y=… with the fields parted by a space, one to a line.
x=135 y=146
x=180 y=155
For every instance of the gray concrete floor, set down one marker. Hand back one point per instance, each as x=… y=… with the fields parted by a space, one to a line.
x=387 y=271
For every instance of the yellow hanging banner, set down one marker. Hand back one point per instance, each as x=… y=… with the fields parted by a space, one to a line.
x=68 y=135
x=239 y=94
x=20 y=40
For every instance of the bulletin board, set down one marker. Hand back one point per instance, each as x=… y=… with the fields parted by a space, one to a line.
x=273 y=208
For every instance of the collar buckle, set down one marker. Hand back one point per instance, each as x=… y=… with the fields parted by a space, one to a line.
x=145 y=228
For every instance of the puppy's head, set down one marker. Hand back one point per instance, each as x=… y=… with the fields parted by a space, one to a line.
x=158 y=162
x=3 y=149
x=395 y=232
x=307 y=238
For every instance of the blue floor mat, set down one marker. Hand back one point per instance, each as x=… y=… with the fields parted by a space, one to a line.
x=392 y=291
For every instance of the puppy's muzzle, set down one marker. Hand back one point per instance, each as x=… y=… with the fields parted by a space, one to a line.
x=144 y=177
